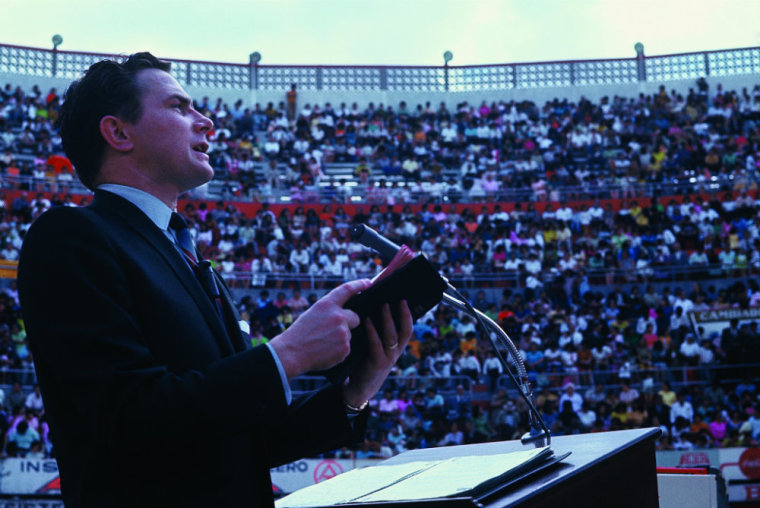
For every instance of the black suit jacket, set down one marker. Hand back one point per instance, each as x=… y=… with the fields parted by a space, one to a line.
x=151 y=401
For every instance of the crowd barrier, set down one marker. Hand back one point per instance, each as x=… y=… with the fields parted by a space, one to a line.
x=228 y=190
x=677 y=376
x=507 y=278
x=647 y=379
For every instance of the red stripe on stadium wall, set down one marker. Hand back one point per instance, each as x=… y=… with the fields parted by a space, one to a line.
x=250 y=209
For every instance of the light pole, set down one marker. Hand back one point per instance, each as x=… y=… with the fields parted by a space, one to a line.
x=253 y=75
x=57 y=41
x=640 y=62
x=254 y=59
x=447 y=56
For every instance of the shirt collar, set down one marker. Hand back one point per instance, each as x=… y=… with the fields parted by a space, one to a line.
x=150 y=205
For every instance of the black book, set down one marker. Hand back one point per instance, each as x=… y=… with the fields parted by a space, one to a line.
x=414 y=280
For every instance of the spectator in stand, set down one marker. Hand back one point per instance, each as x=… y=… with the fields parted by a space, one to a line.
x=433 y=404
x=16 y=398
x=595 y=395
x=689 y=351
x=469 y=365
x=298 y=303
x=290 y=98
x=453 y=437
x=668 y=396
x=570 y=395
x=34 y=400
x=388 y=404
x=628 y=395
x=718 y=426
x=534 y=358
x=567 y=421
x=682 y=408
x=19 y=440
x=731 y=342
x=459 y=405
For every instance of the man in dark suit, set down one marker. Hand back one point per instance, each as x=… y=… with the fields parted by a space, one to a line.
x=153 y=393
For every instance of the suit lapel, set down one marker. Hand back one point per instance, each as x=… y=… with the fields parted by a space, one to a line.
x=240 y=339
x=138 y=222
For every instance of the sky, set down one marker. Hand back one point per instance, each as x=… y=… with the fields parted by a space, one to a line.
x=383 y=32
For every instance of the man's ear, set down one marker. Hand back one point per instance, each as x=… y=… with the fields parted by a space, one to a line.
x=112 y=130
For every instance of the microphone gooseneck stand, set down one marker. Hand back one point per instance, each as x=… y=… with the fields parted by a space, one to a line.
x=538 y=434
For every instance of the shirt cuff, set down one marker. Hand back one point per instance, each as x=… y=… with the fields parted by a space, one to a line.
x=283 y=377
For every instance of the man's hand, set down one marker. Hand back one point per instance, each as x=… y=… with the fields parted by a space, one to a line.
x=383 y=352
x=321 y=336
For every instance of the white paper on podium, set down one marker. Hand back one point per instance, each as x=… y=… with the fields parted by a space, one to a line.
x=413 y=480
x=453 y=476
x=350 y=485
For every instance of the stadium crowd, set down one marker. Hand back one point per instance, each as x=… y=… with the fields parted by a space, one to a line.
x=600 y=361
x=555 y=151
x=560 y=150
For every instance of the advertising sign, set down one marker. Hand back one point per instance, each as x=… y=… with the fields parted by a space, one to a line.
x=740 y=468
x=302 y=473
x=40 y=476
x=715 y=321
x=29 y=476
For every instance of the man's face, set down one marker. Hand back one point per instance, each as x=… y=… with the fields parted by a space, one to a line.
x=169 y=139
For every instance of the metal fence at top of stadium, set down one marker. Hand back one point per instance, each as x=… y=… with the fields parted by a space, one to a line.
x=253 y=75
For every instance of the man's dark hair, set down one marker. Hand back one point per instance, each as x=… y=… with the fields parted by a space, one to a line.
x=107 y=88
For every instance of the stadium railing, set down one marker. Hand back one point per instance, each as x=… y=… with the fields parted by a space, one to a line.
x=645 y=379
x=676 y=376
x=508 y=278
x=230 y=190
x=444 y=385
x=33 y=61
x=641 y=378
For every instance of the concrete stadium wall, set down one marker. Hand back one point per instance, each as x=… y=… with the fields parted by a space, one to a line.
x=537 y=95
x=27 y=82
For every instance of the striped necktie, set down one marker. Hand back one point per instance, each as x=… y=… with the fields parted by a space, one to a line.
x=202 y=268
x=184 y=239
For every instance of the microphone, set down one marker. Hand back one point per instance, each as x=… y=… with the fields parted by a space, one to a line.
x=539 y=434
x=412 y=278
x=368 y=237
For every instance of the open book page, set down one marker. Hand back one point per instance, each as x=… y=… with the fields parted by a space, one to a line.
x=457 y=475
x=415 y=480
x=351 y=485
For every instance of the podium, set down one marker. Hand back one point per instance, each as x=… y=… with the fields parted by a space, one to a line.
x=604 y=469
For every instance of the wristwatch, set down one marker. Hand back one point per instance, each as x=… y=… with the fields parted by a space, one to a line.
x=353 y=410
